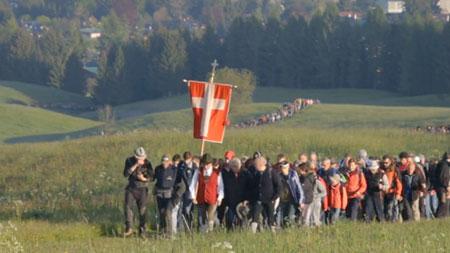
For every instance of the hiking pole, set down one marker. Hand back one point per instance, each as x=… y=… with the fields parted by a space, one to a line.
x=186 y=224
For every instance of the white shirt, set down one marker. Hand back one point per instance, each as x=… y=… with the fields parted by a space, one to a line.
x=206 y=173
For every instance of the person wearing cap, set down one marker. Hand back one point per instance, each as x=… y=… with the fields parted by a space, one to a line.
x=207 y=191
x=292 y=196
x=264 y=189
x=442 y=185
x=228 y=156
x=377 y=183
x=356 y=186
x=139 y=172
x=413 y=188
x=187 y=168
x=394 y=192
x=168 y=189
x=235 y=184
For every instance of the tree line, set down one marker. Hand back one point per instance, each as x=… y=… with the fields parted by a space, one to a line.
x=409 y=55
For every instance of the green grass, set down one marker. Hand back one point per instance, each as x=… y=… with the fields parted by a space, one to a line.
x=20 y=121
x=426 y=236
x=23 y=93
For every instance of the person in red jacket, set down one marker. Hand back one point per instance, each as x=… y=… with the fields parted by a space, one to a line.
x=356 y=187
x=207 y=191
x=336 y=199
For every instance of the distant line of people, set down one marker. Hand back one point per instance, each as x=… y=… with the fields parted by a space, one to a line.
x=442 y=129
x=257 y=194
x=288 y=110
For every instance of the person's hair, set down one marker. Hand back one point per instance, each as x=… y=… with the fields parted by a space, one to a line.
x=309 y=167
x=326 y=159
x=348 y=155
x=446 y=156
x=281 y=156
x=403 y=155
x=176 y=158
x=303 y=154
x=215 y=162
x=235 y=162
x=249 y=162
x=389 y=157
x=260 y=160
x=187 y=155
x=352 y=160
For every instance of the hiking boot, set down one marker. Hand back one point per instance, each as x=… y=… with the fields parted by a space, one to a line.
x=129 y=233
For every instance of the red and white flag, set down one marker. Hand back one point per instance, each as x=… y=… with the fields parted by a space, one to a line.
x=210 y=104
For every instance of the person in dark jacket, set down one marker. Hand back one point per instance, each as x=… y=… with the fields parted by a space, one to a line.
x=292 y=196
x=235 y=184
x=413 y=187
x=139 y=172
x=264 y=189
x=377 y=183
x=169 y=189
x=442 y=185
x=186 y=169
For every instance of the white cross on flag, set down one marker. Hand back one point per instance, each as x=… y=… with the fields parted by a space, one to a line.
x=210 y=104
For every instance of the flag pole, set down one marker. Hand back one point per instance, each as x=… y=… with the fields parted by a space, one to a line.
x=211 y=81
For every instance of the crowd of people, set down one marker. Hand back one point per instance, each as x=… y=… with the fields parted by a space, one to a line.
x=253 y=193
x=442 y=129
x=287 y=111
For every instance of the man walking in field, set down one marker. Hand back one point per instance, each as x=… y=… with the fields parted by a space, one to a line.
x=139 y=172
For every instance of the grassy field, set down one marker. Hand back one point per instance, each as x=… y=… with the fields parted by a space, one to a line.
x=67 y=196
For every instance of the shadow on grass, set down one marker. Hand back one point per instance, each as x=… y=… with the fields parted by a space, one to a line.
x=89 y=132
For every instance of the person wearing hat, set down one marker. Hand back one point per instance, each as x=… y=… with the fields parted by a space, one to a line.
x=377 y=183
x=229 y=155
x=292 y=196
x=139 y=171
x=207 y=191
x=168 y=189
x=235 y=184
x=442 y=185
x=264 y=189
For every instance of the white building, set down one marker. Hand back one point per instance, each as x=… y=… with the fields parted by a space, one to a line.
x=445 y=6
x=91 y=33
x=393 y=6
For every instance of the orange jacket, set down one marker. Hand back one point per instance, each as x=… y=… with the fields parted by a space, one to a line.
x=394 y=181
x=356 y=184
x=336 y=197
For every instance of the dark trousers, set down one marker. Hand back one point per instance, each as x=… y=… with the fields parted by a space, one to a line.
x=187 y=212
x=374 y=206
x=138 y=195
x=333 y=215
x=444 y=203
x=165 y=207
x=352 y=208
x=258 y=208
x=221 y=211
x=390 y=207
x=231 y=216
x=406 y=209
x=286 y=213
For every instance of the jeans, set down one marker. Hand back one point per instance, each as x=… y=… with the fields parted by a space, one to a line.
x=432 y=203
x=138 y=195
x=286 y=213
x=231 y=216
x=168 y=213
x=373 y=205
x=333 y=215
x=187 y=211
x=352 y=208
